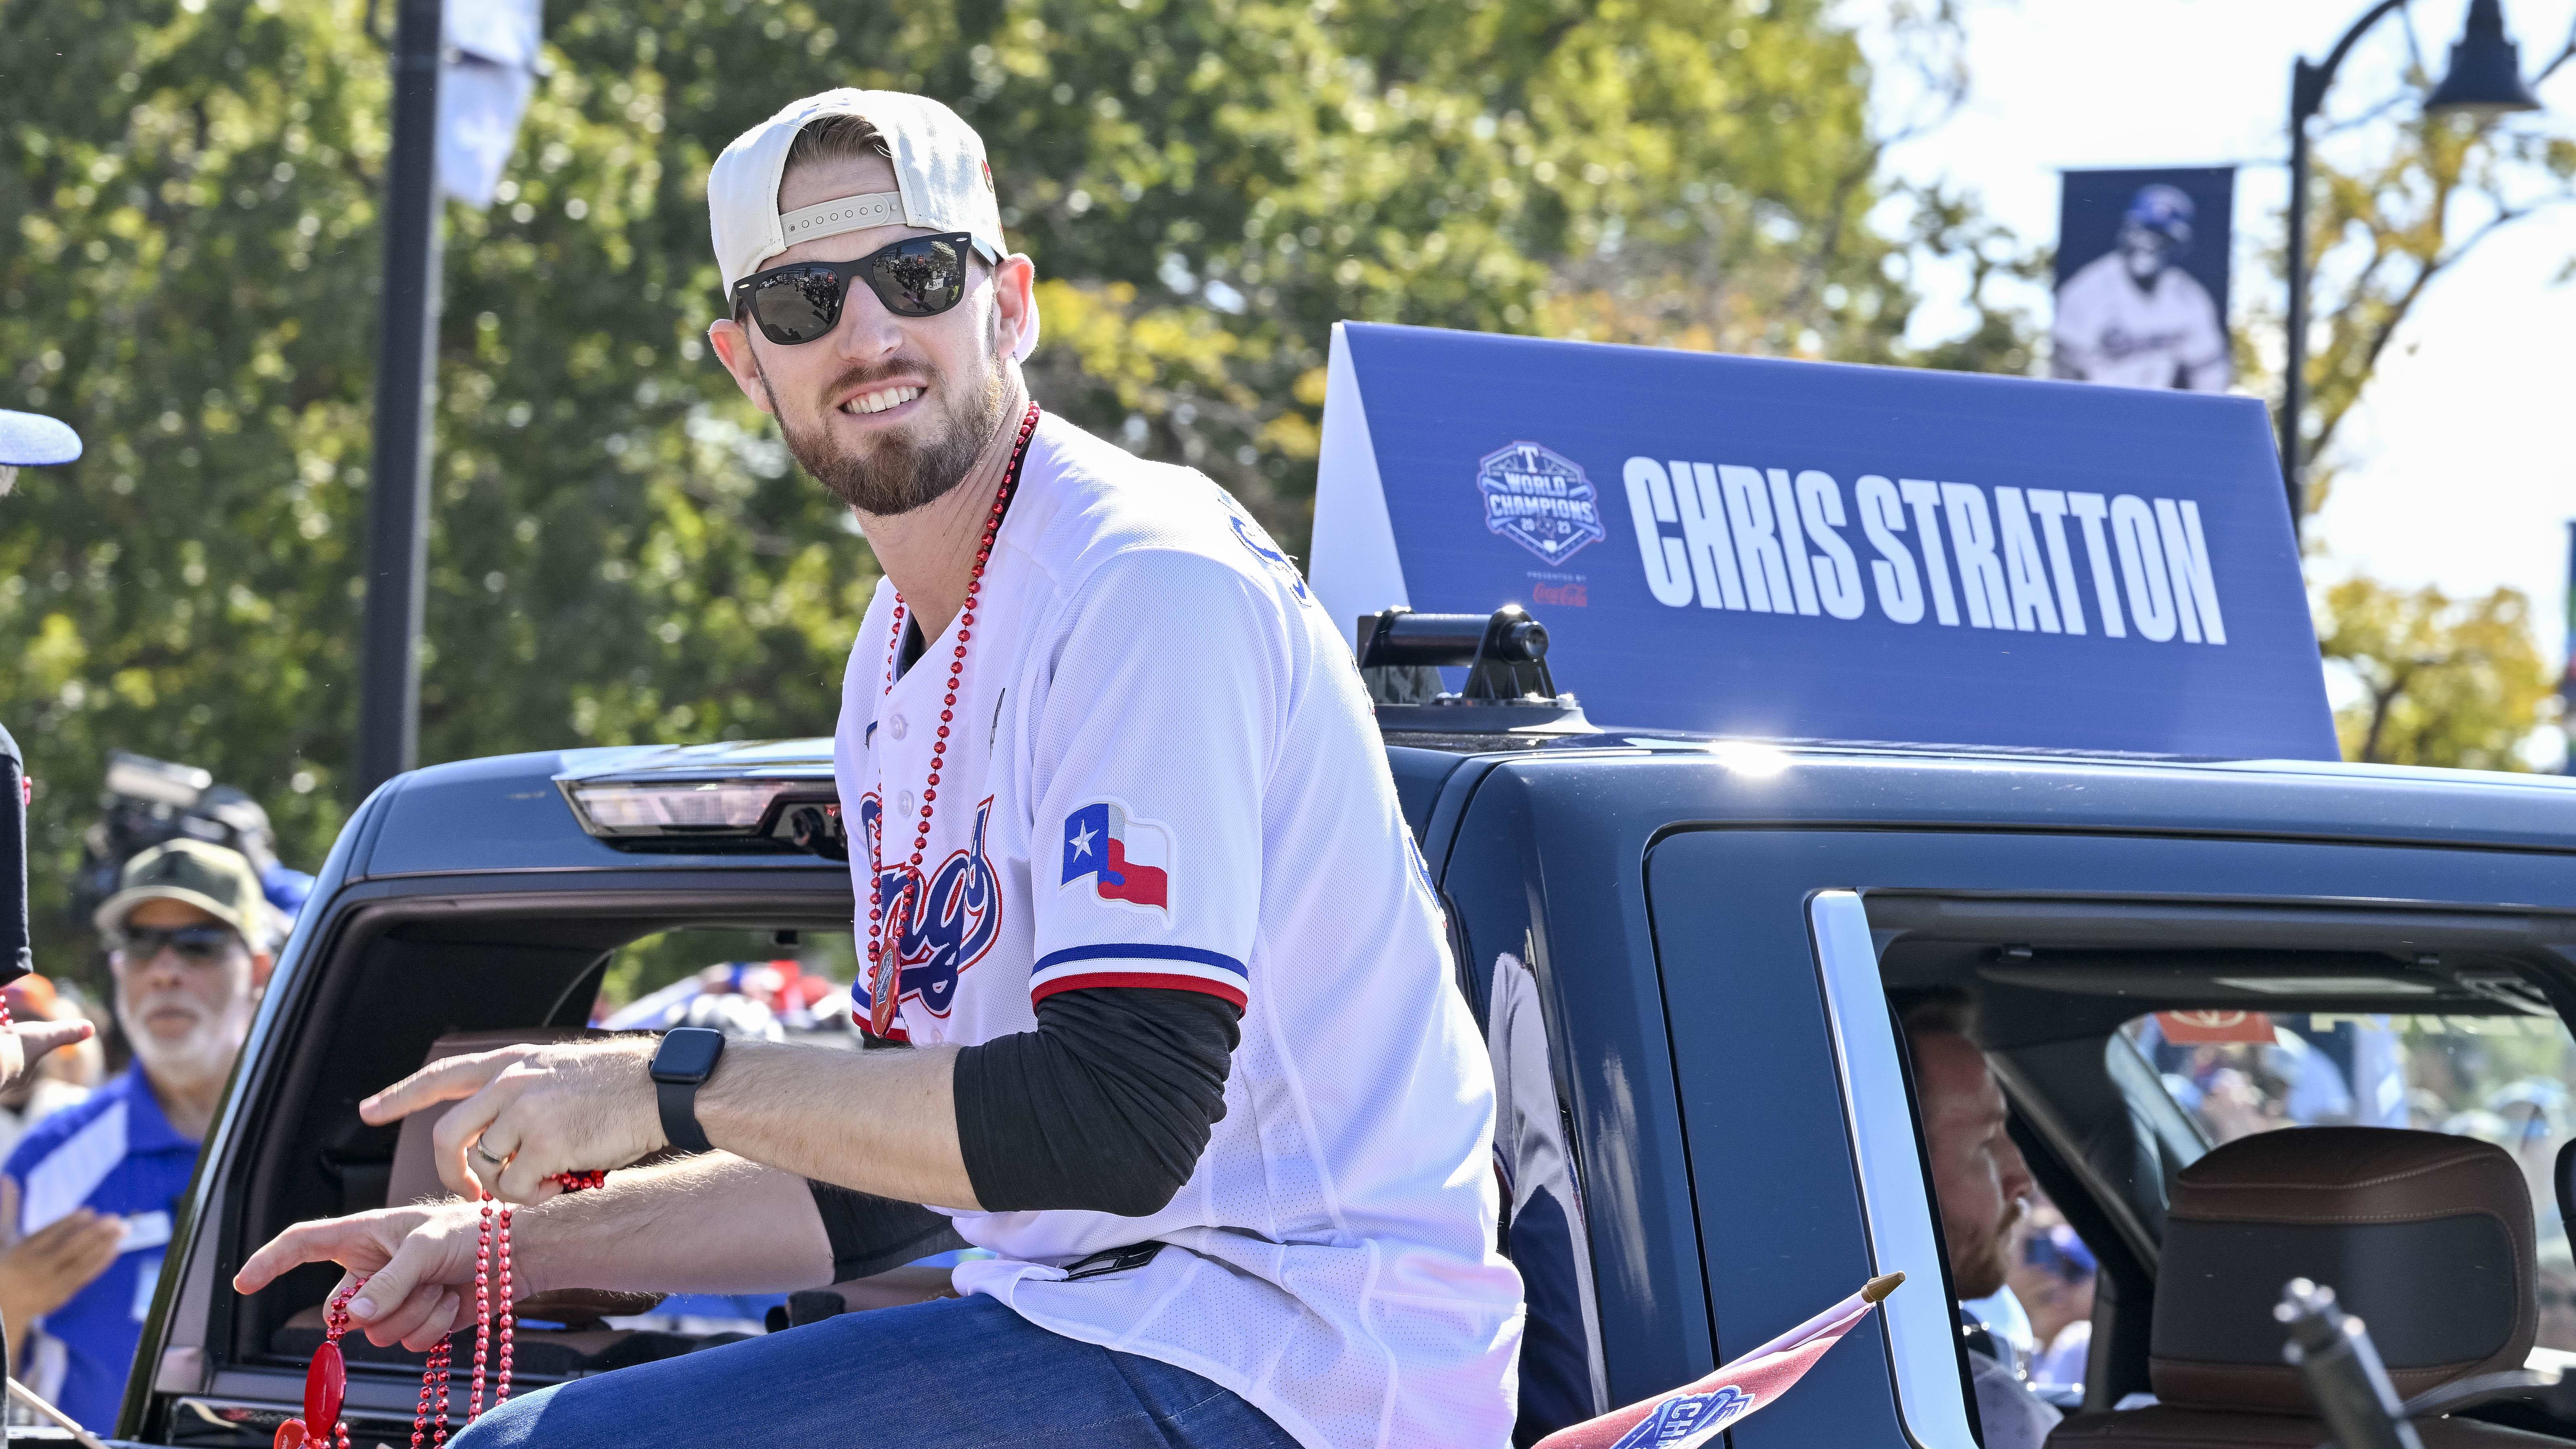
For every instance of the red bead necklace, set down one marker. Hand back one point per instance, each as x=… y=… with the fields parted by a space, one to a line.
x=326 y=1380
x=885 y=966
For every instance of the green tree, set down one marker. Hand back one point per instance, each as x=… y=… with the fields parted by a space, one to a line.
x=2403 y=198
x=1681 y=243
x=2443 y=681
x=620 y=549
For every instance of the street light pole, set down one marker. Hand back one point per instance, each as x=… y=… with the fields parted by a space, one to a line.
x=2307 y=95
x=2485 y=79
x=406 y=373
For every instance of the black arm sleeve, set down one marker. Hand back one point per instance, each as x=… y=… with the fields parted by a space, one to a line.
x=870 y=1234
x=1105 y=1107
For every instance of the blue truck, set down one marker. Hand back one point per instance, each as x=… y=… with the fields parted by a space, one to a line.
x=1684 y=950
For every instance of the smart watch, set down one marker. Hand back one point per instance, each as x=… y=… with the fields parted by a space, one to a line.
x=682 y=1064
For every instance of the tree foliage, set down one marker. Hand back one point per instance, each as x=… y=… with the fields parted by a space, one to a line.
x=2402 y=198
x=2443 y=681
x=620 y=549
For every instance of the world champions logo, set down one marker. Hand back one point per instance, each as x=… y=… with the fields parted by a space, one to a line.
x=1539 y=499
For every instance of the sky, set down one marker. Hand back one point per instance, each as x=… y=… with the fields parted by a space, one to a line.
x=2457 y=466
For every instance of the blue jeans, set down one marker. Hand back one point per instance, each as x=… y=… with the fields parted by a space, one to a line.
x=955 y=1373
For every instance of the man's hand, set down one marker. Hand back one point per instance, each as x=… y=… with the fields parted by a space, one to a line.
x=530 y=1112
x=23 y=1044
x=418 y=1262
x=41 y=1272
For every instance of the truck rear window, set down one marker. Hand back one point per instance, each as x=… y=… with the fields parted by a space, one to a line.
x=2502 y=1079
x=798 y=979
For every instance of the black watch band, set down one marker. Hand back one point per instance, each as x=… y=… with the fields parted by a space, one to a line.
x=682 y=1064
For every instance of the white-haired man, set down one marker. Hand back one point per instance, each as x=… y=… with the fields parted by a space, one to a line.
x=1133 y=883
x=89 y=1192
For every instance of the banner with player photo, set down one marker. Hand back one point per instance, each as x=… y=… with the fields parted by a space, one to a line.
x=1781 y=549
x=2142 y=260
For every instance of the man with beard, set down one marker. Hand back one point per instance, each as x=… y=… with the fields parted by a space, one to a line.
x=1133 y=886
x=1983 y=1186
x=95 y=1185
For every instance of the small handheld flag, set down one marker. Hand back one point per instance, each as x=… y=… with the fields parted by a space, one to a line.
x=1696 y=1413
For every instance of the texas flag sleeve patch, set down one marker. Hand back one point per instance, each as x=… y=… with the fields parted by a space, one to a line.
x=1126 y=863
x=1125 y=860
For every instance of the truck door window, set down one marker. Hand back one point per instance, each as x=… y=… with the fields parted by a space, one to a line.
x=1922 y=1328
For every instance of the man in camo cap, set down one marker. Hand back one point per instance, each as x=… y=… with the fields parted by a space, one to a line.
x=188 y=934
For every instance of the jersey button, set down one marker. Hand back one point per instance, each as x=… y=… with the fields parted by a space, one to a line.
x=907 y=805
x=895 y=726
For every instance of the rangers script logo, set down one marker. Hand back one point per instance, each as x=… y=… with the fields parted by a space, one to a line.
x=949 y=920
x=1540 y=500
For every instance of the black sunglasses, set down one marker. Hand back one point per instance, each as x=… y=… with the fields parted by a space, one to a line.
x=193 y=943
x=920 y=276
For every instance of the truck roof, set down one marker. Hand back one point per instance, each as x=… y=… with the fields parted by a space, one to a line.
x=509 y=812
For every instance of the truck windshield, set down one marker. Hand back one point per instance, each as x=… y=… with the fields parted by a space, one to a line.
x=2503 y=1079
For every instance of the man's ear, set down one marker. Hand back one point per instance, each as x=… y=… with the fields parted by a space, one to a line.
x=1015 y=303
x=261 y=963
x=732 y=342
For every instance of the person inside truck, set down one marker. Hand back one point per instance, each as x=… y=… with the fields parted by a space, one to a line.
x=87 y=1197
x=1185 y=1052
x=1983 y=1189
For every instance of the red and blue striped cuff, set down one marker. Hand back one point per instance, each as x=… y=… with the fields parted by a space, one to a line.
x=895 y=1030
x=1136 y=963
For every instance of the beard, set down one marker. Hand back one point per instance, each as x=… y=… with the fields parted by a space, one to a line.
x=1982 y=1269
x=205 y=1053
x=904 y=470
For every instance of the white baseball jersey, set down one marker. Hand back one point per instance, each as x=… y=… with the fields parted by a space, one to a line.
x=1162 y=772
x=2168 y=335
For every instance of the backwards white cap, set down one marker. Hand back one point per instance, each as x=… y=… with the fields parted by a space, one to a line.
x=943 y=183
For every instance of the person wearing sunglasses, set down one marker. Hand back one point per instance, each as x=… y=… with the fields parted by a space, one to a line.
x=1134 y=888
x=87 y=1195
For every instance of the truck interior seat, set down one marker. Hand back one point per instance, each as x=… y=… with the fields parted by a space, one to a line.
x=415 y=1171
x=2427 y=1237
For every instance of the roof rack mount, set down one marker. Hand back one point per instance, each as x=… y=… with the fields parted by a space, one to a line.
x=1509 y=688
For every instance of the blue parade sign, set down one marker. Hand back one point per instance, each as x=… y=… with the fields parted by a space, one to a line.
x=1805 y=550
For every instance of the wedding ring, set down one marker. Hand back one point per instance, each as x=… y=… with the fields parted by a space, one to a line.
x=488 y=1157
